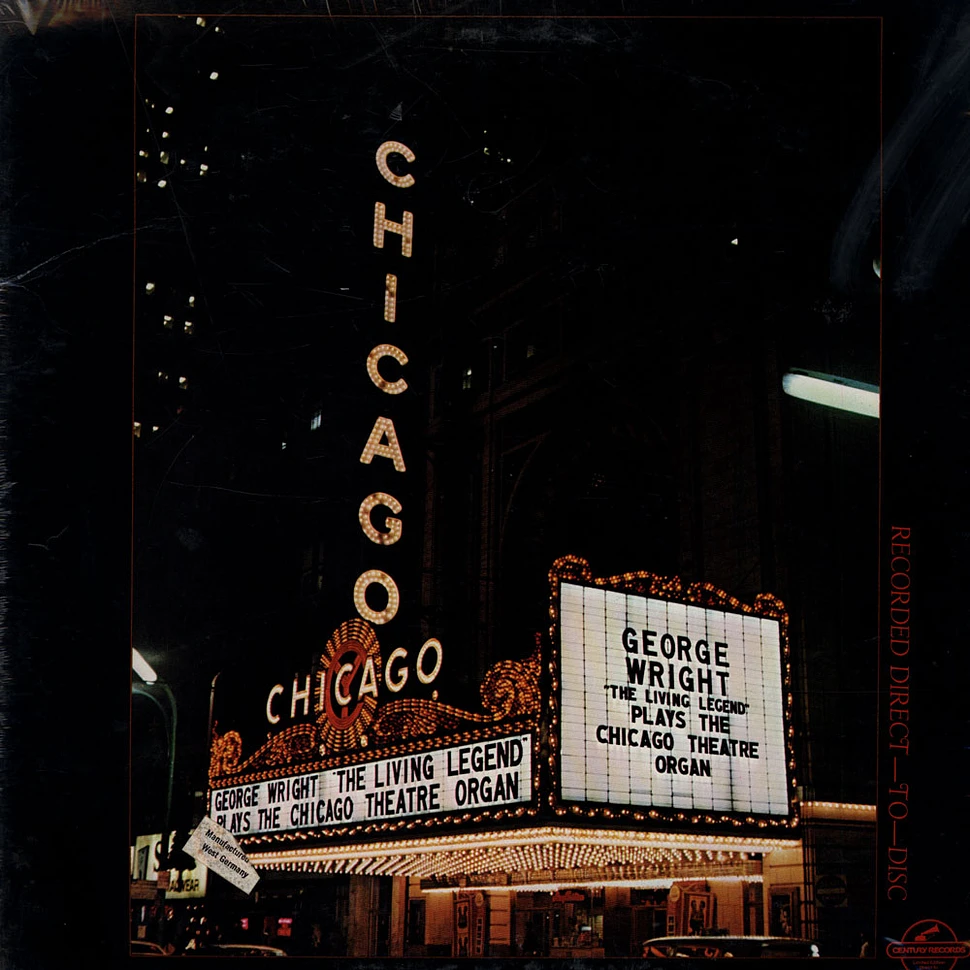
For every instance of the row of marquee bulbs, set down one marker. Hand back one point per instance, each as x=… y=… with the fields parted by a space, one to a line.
x=382 y=441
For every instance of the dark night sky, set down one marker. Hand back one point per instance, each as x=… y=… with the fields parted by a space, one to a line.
x=660 y=142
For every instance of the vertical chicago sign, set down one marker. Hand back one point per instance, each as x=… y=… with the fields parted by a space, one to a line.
x=355 y=743
x=382 y=443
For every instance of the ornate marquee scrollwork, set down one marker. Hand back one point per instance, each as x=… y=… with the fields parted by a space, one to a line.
x=295 y=745
x=224 y=753
x=576 y=569
x=510 y=690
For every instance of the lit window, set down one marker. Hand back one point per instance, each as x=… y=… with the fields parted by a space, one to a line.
x=466 y=380
x=141 y=176
x=183 y=382
x=162 y=376
x=164 y=158
x=316 y=420
x=137 y=429
x=187 y=327
x=167 y=322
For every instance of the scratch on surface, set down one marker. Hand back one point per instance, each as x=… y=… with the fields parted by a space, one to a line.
x=27 y=274
x=239 y=491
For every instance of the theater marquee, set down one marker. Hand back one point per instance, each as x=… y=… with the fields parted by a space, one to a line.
x=470 y=776
x=672 y=701
x=343 y=759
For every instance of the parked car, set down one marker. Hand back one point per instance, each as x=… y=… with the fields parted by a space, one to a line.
x=235 y=950
x=142 y=948
x=744 y=947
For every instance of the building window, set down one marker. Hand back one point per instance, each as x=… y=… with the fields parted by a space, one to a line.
x=416 y=922
x=316 y=420
x=312 y=579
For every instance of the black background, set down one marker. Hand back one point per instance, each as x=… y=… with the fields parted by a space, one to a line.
x=67 y=266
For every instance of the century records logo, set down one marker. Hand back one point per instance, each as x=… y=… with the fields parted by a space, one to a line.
x=928 y=945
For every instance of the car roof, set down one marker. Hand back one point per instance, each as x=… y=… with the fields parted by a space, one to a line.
x=724 y=939
x=245 y=946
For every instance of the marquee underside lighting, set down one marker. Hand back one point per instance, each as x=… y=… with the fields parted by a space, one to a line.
x=592 y=882
x=543 y=854
x=839 y=811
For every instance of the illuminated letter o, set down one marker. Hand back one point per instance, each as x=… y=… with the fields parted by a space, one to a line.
x=422 y=676
x=393 y=597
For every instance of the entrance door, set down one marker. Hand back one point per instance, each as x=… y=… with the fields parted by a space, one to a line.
x=649 y=922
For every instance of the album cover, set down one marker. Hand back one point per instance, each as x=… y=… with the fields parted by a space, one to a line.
x=484 y=482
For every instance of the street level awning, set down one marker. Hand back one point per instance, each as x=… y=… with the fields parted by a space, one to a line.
x=540 y=854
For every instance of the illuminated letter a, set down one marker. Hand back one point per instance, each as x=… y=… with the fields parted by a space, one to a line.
x=383 y=428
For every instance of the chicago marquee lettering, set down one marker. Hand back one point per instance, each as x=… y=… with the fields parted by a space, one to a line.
x=383 y=441
x=335 y=692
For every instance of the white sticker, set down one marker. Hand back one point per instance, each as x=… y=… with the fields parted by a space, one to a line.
x=216 y=849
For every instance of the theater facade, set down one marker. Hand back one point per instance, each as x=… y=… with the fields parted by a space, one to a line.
x=526 y=361
x=633 y=778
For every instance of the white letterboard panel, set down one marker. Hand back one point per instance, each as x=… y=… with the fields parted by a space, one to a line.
x=475 y=776
x=669 y=705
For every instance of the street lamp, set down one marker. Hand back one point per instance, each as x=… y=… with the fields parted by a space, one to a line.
x=149 y=688
x=142 y=667
x=832 y=391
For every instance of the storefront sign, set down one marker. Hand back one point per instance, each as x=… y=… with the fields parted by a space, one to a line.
x=831 y=892
x=483 y=774
x=181 y=883
x=672 y=705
